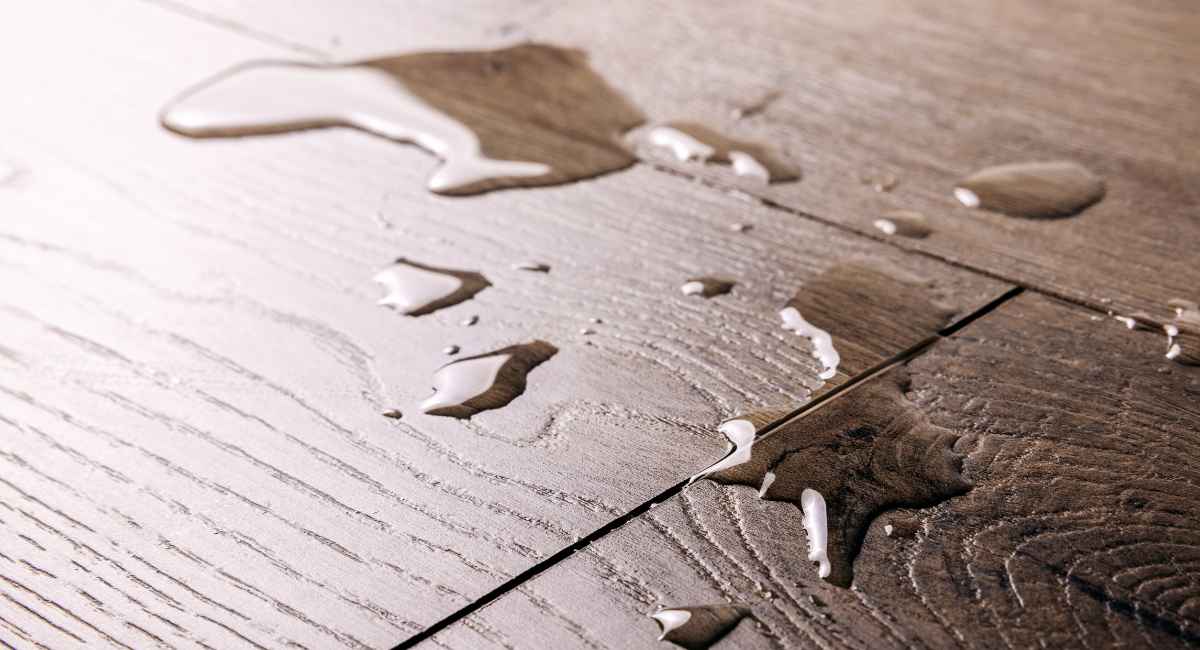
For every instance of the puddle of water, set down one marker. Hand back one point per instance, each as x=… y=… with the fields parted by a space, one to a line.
x=1037 y=190
x=416 y=289
x=843 y=464
x=905 y=223
x=706 y=287
x=486 y=381
x=697 y=143
x=866 y=313
x=697 y=627
x=526 y=115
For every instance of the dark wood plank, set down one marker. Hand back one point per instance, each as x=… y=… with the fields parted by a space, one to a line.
x=193 y=369
x=917 y=93
x=1079 y=530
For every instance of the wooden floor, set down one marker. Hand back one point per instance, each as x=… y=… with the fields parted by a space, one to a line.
x=193 y=366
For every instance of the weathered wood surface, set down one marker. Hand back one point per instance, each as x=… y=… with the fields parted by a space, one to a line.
x=925 y=93
x=193 y=369
x=1080 y=530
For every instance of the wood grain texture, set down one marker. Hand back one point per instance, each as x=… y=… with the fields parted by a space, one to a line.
x=924 y=93
x=193 y=369
x=1079 y=531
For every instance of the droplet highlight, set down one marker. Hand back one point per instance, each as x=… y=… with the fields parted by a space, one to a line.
x=697 y=627
x=416 y=289
x=487 y=381
x=697 y=143
x=1035 y=190
x=526 y=115
x=905 y=223
x=707 y=287
x=822 y=342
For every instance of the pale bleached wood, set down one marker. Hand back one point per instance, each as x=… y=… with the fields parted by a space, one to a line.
x=924 y=93
x=1080 y=530
x=193 y=369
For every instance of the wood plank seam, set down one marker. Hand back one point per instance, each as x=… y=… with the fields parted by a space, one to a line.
x=521 y=578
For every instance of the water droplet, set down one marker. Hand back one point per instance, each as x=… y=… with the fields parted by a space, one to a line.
x=595 y=321
x=469 y=320
x=456 y=105
x=537 y=267
x=415 y=289
x=740 y=432
x=905 y=223
x=697 y=627
x=450 y=349
x=1038 y=190
x=696 y=143
x=817 y=529
x=881 y=183
x=740 y=227
x=393 y=414
x=1129 y=322
x=587 y=331
x=486 y=381
x=901 y=527
x=755 y=107
x=822 y=342
x=845 y=463
x=768 y=479
x=707 y=287
x=1183 y=333
x=887 y=530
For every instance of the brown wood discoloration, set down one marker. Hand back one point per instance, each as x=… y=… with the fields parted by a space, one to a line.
x=1077 y=532
x=193 y=366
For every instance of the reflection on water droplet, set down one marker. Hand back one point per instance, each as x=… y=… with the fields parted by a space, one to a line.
x=901 y=527
x=464 y=107
x=393 y=414
x=469 y=320
x=822 y=342
x=450 y=349
x=696 y=143
x=905 y=223
x=414 y=289
x=697 y=627
x=486 y=381
x=1183 y=333
x=537 y=267
x=707 y=287
x=1038 y=190
x=817 y=528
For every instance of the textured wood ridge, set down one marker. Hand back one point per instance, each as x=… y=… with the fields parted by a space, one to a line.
x=1079 y=530
x=193 y=369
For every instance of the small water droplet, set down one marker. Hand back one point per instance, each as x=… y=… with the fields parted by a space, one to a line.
x=706 y=287
x=587 y=331
x=755 y=107
x=1038 y=190
x=450 y=349
x=456 y=105
x=536 y=267
x=486 y=381
x=416 y=289
x=696 y=143
x=1183 y=333
x=905 y=223
x=393 y=414
x=469 y=320
x=697 y=627
x=901 y=527
x=881 y=183
x=595 y=321
x=1129 y=322
x=740 y=227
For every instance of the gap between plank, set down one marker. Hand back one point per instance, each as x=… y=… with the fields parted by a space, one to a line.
x=801 y=411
